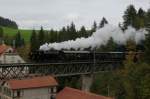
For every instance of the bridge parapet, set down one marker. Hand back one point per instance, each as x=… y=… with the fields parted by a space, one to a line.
x=13 y=71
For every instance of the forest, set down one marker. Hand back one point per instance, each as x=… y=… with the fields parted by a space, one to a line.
x=8 y=23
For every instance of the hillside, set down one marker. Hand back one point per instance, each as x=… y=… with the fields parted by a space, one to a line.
x=11 y=32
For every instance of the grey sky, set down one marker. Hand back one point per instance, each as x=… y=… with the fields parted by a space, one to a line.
x=58 y=13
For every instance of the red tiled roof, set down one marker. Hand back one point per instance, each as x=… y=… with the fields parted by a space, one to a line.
x=70 y=93
x=36 y=82
x=3 y=48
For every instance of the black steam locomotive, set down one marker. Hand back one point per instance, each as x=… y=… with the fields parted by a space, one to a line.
x=74 y=56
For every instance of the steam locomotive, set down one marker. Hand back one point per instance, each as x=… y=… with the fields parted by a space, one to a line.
x=74 y=56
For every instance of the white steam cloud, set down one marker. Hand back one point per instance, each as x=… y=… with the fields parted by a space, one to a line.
x=100 y=37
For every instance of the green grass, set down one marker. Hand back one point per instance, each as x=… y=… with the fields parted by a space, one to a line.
x=26 y=34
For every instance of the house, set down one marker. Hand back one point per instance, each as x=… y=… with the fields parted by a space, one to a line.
x=9 y=55
x=70 y=93
x=29 y=88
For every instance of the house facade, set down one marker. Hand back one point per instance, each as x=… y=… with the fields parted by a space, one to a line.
x=31 y=88
x=9 y=55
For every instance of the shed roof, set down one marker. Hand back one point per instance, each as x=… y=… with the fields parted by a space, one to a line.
x=3 y=48
x=70 y=93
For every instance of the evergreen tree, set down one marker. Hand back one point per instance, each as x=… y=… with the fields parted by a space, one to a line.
x=67 y=33
x=46 y=39
x=110 y=46
x=57 y=36
x=1 y=35
x=140 y=18
x=147 y=18
x=82 y=32
x=94 y=27
x=18 y=40
x=145 y=86
x=130 y=17
x=22 y=42
x=1 y=32
x=41 y=37
x=62 y=34
x=33 y=41
x=7 y=39
x=141 y=23
x=141 y=13
x=103 y=22
x=53 y=36
x=147 y=41
x=147 y=46
x=73 y=33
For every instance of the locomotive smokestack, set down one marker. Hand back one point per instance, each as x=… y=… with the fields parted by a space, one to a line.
x=100 y=37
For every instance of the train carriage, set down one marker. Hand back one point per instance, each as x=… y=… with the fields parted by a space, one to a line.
x=75 y=56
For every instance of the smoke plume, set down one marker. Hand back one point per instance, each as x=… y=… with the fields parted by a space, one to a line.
x=98 y=38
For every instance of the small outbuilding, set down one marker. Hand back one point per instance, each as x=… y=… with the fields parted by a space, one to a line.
x=29 y=88
x=9 y=55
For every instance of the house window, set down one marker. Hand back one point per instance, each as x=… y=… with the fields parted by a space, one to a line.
x=9 y=51
x=54 y=90
x=52 y=97
x=49 y=90
x=18 y=93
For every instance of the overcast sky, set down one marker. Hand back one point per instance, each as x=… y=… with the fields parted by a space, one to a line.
x=58 y=13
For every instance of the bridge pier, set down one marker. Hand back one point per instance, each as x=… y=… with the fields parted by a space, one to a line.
x=87 y=80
